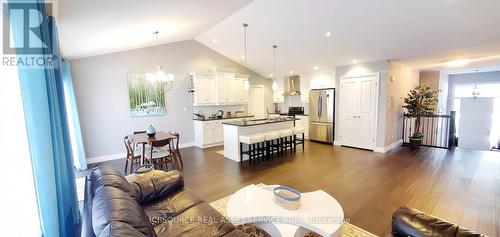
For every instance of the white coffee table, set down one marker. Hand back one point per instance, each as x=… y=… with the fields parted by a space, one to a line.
x=319 y=212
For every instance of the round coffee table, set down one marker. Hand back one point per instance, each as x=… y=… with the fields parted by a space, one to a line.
x=319 y=212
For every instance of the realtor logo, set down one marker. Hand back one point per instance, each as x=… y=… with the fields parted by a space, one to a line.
x=31 y=18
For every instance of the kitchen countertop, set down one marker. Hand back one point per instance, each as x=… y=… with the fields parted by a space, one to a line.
x=259 y=122
x=286 y=114
x=224 y=117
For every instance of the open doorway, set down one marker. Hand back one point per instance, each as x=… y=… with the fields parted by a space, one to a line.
x=478 y=115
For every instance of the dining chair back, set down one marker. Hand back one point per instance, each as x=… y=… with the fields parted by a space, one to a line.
x=176 y=152
x=132 y=158
x=163 y=156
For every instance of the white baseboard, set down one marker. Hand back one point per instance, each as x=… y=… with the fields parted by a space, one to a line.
x=336 y=143
x=388 y=148
x=97 y=159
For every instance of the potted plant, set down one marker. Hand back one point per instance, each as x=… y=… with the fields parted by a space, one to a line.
x=421 y=101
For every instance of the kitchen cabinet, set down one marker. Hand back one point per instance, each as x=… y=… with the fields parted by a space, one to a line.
x=303 y=122
x=205 y=89
x=239 y=93
x=210 y=133
x=224 y=87
x=278 y=96
x=225 y=78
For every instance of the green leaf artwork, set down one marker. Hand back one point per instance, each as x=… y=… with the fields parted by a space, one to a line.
x=146 y=98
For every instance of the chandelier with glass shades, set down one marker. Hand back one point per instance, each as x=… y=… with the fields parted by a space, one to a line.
x=160 y=75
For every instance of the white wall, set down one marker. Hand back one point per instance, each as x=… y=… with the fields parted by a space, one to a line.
x=101 y=92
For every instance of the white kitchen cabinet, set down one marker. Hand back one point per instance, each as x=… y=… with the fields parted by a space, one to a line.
x=204 y=88
x=225 y=82
x=278 y=96
x=239 y=93
x=303 y=122
x=210 y=133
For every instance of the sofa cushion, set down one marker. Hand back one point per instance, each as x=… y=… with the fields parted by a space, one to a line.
x=120 y=229
x=199 y=220
x=111 y=204
x=172 y=205
x=155 y=185
x=107 y=176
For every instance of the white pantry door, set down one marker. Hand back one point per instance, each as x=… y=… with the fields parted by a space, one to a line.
x=358 y=98
x=475 y=123
x=256 y=103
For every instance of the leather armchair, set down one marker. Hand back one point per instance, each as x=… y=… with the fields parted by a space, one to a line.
x=411 y=222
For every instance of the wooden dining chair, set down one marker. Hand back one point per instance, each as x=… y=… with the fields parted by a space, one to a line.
x=160 y=154
x=176 y=153
x=132 y=157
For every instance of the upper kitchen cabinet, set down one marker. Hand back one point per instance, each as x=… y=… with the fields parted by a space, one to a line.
x=225 y=83
x=278 y=96
x=204 y=88
x=239 y=92
x=223 y=87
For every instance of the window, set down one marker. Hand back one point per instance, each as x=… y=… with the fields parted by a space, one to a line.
x=19 y=203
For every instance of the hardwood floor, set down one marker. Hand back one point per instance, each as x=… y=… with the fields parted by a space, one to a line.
x=461 y=186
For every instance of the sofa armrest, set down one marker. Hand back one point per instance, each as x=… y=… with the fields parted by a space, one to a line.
x=411 y=222
x=156 y=184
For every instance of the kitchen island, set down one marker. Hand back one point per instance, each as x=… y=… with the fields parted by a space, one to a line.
x=233 y=131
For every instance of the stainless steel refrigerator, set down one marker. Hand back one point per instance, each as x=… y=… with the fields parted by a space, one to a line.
x=321 y=115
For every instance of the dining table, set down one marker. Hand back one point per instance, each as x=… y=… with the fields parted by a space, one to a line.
x=143 y=139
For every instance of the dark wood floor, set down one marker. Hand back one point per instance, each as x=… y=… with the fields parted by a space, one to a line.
x=462 y=186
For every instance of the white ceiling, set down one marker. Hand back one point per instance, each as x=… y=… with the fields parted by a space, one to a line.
x=94 y=27
x=424 y=33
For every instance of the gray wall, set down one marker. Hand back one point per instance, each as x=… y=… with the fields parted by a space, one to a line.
x=469 y=78
x=102 y=97
x=371 y=68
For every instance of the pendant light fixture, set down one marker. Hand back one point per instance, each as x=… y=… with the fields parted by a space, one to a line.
x=160 y=75
x=246 y=84
x=275 y=85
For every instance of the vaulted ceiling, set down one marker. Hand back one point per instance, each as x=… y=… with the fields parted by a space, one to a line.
x=424 y=33
x=94 y=27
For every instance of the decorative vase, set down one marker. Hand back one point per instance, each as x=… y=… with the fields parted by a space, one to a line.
x=151 y=132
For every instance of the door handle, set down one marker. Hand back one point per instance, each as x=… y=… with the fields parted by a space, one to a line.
x=319 y=108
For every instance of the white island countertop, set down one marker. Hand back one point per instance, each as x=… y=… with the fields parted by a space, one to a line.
x=233 y=131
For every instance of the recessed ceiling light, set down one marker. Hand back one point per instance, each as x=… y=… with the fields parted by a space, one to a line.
x=315 y=68
x=328 y=34
x=270 y=74
x=242 y=56
x=458 y=62
x=215 y=40
x=354 y=61
x=291 y=72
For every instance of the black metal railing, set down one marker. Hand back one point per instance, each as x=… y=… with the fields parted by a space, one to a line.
x=438 y=130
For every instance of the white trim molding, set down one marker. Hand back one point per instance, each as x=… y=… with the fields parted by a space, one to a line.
x=336 y=143
x=388 y=148
x=97 y=159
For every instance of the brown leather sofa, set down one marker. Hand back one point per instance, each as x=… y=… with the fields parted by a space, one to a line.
x=411 y=222
x=156 y=205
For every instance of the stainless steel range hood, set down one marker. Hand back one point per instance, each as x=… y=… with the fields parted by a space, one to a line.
x=292 y=85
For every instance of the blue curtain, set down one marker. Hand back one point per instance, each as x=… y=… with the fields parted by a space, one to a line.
x=42 y=91
x=74 y=122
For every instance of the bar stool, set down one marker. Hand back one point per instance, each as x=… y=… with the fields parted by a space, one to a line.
x=286 y=138
x=271 y=146
x=253 y=151
x=297 y=141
